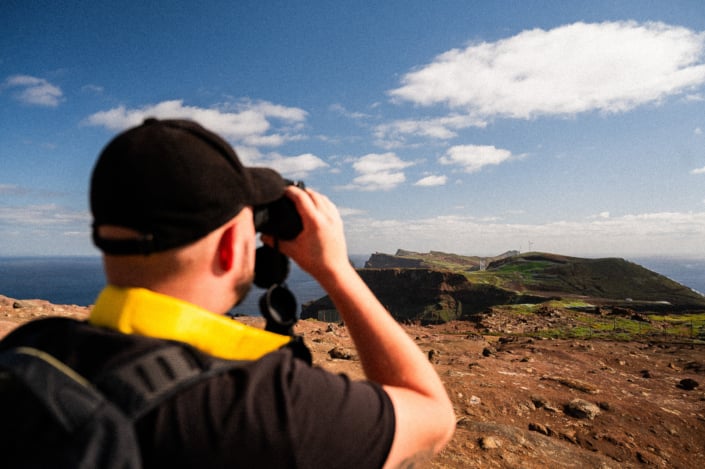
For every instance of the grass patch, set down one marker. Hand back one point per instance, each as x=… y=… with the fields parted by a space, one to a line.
x=691 y=317
x=682 y=325
x=523 y=267
x=522 y=309
x=568 y=304
x=486 y=277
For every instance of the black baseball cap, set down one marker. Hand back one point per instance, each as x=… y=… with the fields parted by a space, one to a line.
x=174 y=182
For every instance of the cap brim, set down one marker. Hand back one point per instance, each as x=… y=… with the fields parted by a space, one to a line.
x=267 y=185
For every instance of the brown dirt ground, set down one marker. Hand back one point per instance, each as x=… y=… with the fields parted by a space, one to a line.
x=511 y=395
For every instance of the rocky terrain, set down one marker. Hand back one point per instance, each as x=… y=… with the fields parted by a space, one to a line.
x=526 y=399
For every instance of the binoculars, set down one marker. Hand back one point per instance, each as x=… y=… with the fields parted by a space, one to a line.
x=280 y=220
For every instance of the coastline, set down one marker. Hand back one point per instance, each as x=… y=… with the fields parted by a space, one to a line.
x=78 y=279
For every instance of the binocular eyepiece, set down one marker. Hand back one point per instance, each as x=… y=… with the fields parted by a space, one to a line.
x=280 y=220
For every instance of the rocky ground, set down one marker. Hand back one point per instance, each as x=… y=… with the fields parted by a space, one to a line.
x=531 y=403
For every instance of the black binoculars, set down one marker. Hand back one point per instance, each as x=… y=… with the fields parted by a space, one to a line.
x=280 y=220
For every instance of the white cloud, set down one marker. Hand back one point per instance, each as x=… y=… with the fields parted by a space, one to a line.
x=602 y=215
x=698 y=171
x=442 y=128
x=293 y=167
x=249 y=122
x=432 y=180
x=92 y=89
x=382 y=181
x=342 y=110
x=50 y=228
x=350 y=212
x=41 y=215
x=472 y=158
x=379 y=162
x=698 y=131
x=35 y=91
x=10 y=189
x=629 y=235
x=378 y=172
x=611 y=67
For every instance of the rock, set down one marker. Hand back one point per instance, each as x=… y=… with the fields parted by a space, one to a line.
x=604 y=405
x=474 y=336
x=542 y=403
x=340 y=353
x=540 y=428
x=570 y=436
x=697 y=367
x=488 y=351
x=688 y=384
x=572 y=383
x=644 y=459
x=489 y=442
x=582 y=409
x=433 y=354
x=539 y=401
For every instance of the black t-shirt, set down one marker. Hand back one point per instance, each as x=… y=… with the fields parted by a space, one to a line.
x=275 y=412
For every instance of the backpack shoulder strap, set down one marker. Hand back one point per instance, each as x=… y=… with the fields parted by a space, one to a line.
x=136 y=387
x=141 y=384
x=67 y=395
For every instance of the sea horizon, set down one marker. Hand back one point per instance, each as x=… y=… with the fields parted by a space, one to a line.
x=77 y=280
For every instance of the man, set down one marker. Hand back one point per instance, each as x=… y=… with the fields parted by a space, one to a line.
x=173 y=215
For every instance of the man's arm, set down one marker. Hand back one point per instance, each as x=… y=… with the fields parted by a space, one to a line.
x=425 y=420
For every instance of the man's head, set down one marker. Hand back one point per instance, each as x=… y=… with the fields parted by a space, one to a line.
x=173 y=182
x=171 y=204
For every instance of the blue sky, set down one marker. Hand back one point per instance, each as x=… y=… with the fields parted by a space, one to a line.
x=460 y=126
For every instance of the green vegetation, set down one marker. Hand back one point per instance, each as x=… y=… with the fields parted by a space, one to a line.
x=569 y=304
x=522 y=309
x=523 y=268
x=690 y=327
x=437 y=314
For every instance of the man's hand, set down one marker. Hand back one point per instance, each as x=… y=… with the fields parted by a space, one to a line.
x=320 y=247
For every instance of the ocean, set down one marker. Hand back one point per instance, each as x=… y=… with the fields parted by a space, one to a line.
x=78 y=280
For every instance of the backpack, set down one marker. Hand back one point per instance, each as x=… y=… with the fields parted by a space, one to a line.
x=50 y=416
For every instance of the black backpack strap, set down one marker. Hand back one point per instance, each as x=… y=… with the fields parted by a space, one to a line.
x=62 y=391
x=299 y=349
x=141 y=384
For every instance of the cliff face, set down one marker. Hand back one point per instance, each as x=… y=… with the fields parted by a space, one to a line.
x=428 y=295
x=439 y=287
x=386 y=261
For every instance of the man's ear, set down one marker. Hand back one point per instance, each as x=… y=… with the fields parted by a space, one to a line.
x=226 y=249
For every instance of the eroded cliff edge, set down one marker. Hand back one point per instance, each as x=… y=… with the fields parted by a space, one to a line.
x=438 y=287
